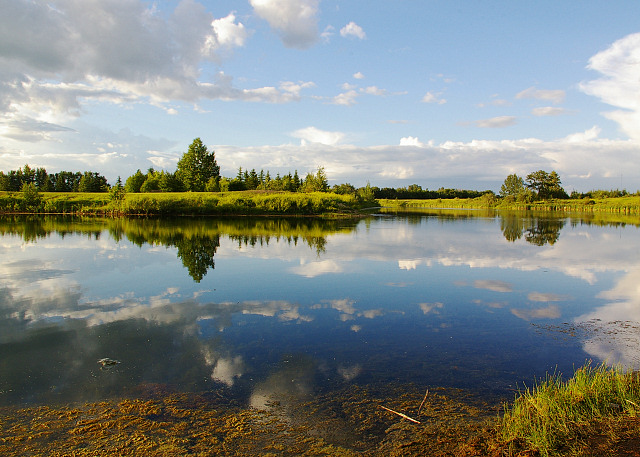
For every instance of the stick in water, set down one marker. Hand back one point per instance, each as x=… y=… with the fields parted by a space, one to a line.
x=423 y=400
x=404 y=416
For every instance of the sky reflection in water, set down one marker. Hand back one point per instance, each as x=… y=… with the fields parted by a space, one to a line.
x=267 y=307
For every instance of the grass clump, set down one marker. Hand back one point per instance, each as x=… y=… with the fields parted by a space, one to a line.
x=557 y=417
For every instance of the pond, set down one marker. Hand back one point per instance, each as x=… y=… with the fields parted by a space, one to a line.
x=92 y=309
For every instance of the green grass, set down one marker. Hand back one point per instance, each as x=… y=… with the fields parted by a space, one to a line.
x=182 y=203
x=621 y=205
x=557 y=417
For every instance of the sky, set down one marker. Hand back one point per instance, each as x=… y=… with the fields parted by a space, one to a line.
x=455 y=94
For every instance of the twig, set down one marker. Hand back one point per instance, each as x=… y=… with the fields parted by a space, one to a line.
x=423 y=400
x=404 y=416
x=633 y=404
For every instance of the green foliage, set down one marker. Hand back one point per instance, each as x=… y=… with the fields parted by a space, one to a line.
x=414 y=191
x=31 y=199
x=513 y=186
x=117 y=192
x=213 y=185
x=135 y=182
x=366 y=194
x=197 y=166
x=316 y=182
x=546 y=185
x=92 y=182
x=344 y=189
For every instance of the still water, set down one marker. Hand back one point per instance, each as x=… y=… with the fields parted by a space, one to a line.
x=267 y=307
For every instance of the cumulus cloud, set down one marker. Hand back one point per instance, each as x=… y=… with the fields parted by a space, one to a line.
x=358 y=75
x=583 y=160
x=56 y=56
x=228 y=32
x=496 y=122
x=295 y=20
x=346 y=98
x=430 y=97
x=374 y=90
x=619 y=84
x=353 y=30
x=553 y=96
x=411 y=141
x=315 y=135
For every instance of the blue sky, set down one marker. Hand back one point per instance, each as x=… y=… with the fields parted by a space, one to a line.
x=437 y=93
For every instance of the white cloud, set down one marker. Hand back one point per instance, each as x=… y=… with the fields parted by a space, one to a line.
x=346 y=98
x=496 y=122
x=358 y=75
x=430 y=97
x=582 y=159
x=295 y=20
x=63 y=54
x=409 y=264
x=228 y=33
x=554 y=96
x=353 y=30
x=548 y=111
x=619 y=84
x=411 y=141
x=315 y=135
x=374 y=90
x=327 y=33
x=587 y=135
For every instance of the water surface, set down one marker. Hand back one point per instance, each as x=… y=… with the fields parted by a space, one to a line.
x=263 y=308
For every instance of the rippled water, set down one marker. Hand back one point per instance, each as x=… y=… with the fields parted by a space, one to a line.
x=264 y=307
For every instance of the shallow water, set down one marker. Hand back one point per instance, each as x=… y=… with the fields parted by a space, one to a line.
x=272 y=308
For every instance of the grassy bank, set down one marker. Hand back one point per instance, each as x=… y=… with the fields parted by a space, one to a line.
x=182 y=203
x=597 y=407
x=622 y=205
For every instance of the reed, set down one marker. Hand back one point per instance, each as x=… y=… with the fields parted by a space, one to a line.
x=555 y=417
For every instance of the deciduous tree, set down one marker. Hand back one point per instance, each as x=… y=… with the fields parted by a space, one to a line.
x=513 y=186
x=546 y=185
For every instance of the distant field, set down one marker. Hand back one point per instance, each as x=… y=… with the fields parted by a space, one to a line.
x=623 y=205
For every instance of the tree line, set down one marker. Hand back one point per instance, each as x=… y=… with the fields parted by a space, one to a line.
x=64 y=181
x=198 y=171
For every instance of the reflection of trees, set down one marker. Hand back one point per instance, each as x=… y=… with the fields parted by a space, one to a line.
x=196 y=239
x=512 y=227
x=197 y=254
x=544 y=231
x=536 y=230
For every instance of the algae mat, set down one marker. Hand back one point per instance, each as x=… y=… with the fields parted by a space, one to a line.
x=346 y=423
